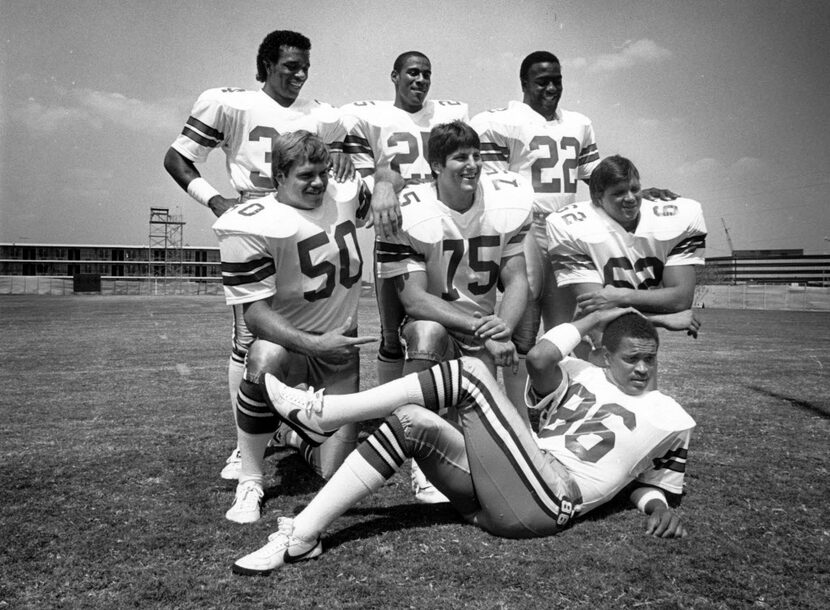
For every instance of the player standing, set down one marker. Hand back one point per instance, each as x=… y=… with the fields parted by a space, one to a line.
x=601 y=431
x=395 y=135
x=552 y=149
x=291 y=261
x=244 y=124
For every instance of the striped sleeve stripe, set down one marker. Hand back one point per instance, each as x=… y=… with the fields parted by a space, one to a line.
x=249 y=272
x=520 y=235
x=354 y=145
x=383 y=450
x=393 y=253
x=199 y=138
x=504 y=436
x=589 y=154
x=336 y=147
x=205 y=129
x=561 y=262
x=494 y=152
x=673 y=460
x=689 y=245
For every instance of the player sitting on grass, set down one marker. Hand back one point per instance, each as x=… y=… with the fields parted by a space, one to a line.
x=601 y=429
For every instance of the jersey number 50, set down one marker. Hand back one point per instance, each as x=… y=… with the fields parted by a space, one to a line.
x=327 y=268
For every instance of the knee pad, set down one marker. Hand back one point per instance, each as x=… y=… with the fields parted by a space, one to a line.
x=425 y=340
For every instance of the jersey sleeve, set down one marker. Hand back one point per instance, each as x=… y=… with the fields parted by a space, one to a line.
x=357 y=137
x=668 y=465
x=495 y=149
x=248 y=269
x=399 y=255
x=206 y=127
x=691 y=249
x=588 y=153
x=570 y=262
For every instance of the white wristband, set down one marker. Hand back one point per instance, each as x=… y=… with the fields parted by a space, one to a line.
x=201 y=190
x=564 y=336
x=643 y=495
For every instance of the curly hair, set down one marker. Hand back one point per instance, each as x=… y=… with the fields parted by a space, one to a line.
x=269 y=49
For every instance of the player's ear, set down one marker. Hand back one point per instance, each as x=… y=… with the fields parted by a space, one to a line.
x=279 y=178
x=436 y=167
x=394 y=76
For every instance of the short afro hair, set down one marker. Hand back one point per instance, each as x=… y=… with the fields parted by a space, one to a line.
x=400 y=60
x=269 y=49
x=537 y=57
x=628 y=325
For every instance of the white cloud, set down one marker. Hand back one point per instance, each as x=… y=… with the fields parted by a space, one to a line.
x=632 y=53
x=743 y=169
x=96 y=109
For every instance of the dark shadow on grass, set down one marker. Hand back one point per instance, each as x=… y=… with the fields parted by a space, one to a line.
x=815 y=409
x=392 y=519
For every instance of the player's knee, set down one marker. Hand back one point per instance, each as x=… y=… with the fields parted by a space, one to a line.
x=422 y=429
x=264 y=357
x=425 y=340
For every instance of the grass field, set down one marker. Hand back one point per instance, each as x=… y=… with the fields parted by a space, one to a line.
x=115 y=423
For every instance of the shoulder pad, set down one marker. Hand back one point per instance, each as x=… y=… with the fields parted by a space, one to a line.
x=668 y=219
x=264 y=217
x=579 y=221
x=422 y=217
x=508 y=200
x=232 y=97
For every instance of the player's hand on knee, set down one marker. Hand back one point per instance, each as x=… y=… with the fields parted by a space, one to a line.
x=492 y=327
x=665 y=523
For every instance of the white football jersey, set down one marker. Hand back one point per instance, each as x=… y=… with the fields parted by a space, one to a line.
x=379 y=134
x=308 y=261
x=551 y=155
x=244 y=124
x=588 y=246
x=607 y=439
x=460 y=252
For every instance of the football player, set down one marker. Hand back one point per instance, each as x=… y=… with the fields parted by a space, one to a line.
x=552 y=149
x=244 y=124
x=291 y=262
x=460 y=236
x=602 y=431
x=395 y=134
x=618 y=251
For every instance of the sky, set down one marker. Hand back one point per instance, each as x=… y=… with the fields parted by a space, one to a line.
x=722 y=101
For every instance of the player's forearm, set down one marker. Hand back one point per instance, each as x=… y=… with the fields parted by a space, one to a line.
x=265 y=323
x=425 y=306
x=658 y=300
x=181 y=169
x=514 y=301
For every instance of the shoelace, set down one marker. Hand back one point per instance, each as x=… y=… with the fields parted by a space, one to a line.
x=250 y=496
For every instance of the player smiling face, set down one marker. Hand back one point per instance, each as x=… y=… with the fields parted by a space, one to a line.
x=621 y=201
x=632 y=365
x=286 y=76
x=457 y=179
x=304 y=185
x=412 y=83
x=543 y=88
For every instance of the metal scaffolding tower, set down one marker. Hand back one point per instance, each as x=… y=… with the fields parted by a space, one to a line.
x=165 y=256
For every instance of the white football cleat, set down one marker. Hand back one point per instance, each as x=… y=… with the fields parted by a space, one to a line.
x=232 y=465
x=282 y=548
x=297 y=408
x=425 y=492
x=247 y=503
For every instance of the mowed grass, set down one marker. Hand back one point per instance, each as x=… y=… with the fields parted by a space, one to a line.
x=115 y=423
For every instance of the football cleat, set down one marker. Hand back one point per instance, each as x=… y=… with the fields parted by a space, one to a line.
x=282 y=548
x=297 y=408
x=232 y=465
x=247 y=503
x=425 y=492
